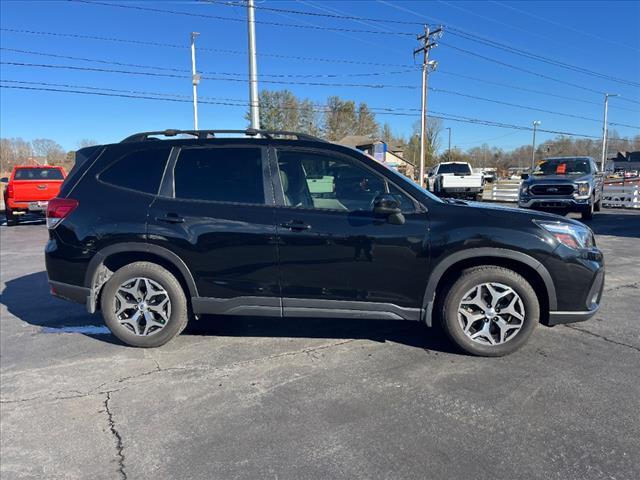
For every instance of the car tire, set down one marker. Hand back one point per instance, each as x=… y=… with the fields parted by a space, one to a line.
x=11 y=218
x=587 y=213
x=597 y=206
x=139 y=292
x=517 y=311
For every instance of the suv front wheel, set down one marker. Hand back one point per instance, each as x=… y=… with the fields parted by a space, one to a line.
x=144 y=305
x=490 y=311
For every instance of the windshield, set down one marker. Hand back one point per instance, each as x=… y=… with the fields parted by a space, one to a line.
x=460 y=168
x=563 y=166
x=38 y=174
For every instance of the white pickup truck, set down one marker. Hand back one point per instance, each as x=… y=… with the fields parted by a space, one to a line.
x=455 y=179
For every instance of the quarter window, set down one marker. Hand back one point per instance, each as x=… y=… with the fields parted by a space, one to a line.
x=313 y=180
x=220 y=175
x=140 y=170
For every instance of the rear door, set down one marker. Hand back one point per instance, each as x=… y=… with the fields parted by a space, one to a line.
x=334 y=250
x=216 y=212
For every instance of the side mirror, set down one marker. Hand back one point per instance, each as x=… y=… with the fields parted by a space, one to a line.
x=524 y=176
x=387 y=205
x=4 y=180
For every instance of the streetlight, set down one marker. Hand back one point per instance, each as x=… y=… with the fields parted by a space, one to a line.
x=195 y=79
x=604 y=128
x=533 y=149
x=449 y=150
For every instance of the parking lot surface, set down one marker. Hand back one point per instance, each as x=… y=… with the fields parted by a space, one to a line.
x=262 y=398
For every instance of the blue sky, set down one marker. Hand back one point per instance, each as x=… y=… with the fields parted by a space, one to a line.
x=599 y=36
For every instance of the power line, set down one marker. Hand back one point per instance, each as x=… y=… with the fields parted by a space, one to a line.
x=215 y=50
x=232 y=102
x=232 y=19
x=482 y=39
x=524 y=89
x=565 y=26
x=207 y=77
x=294 y=57
x=451 y=29
x=540 y=58
x=319 y=84
x=156 y=67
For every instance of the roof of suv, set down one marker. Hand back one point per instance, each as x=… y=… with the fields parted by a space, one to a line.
x=214 y=134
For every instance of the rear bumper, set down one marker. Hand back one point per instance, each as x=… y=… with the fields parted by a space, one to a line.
x=462 y=189
x=70 y=292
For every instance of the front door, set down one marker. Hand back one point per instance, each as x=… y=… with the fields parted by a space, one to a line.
x=335 y=253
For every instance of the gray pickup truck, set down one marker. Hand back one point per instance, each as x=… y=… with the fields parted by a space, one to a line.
x=562 y=185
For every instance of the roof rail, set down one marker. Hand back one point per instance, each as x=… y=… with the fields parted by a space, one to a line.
x=208 y=134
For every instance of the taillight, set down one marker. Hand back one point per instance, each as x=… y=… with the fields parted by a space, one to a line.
x=59 y=209
x=10 y=190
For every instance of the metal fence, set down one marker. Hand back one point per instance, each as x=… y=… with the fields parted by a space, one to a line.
x=618 y=194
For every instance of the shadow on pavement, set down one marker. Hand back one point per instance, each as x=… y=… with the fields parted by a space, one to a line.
x=28 y=299
x=28 y=219
x=618 y=224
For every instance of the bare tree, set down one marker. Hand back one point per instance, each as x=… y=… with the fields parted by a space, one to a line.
x=86 y=142
x=49 y=149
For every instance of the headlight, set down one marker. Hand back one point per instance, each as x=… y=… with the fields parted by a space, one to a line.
x=573 y=236
x=583 y=189
x=524 y=189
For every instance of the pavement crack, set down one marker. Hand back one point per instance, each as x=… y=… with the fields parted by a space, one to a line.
x=635 y=285
x=59 y=396
x=603 y=337
x=116 y=435
x=107 y=387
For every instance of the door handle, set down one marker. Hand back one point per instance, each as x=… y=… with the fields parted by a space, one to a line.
x=170 y=218
x=296 y=225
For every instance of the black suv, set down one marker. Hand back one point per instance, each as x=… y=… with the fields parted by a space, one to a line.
x=563 y=184
x=153 y=231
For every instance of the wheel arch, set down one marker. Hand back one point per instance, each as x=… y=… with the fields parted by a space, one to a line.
x=111 y=258
x=450 y=268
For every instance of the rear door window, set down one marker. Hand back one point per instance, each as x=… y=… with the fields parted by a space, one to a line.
x=38 y=174
x=219 y=174
x=140 y=170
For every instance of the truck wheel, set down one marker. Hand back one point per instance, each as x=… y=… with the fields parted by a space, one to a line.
x=587 y=213
x=144 y=305
x=490 y=311
x=597 y=206
x=11 y=218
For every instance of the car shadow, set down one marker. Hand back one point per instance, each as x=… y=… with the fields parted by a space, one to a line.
x=28 y=299
x=28 y=219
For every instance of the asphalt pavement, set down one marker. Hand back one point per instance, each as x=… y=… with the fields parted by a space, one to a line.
x=251 y=398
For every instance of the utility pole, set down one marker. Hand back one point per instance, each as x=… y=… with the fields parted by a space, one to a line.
x=449 y=149
x=195 y=79
x=253 y=68
x=533 y=144
x=427 y=65
x=605 y=129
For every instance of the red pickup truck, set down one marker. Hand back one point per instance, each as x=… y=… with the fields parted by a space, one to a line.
x=29 y=189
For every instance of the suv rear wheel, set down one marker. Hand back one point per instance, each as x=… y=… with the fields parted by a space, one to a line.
x=144 y=305
x=490 y=311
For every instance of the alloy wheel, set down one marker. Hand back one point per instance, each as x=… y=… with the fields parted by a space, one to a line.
x=491 y=313
x=143 y=306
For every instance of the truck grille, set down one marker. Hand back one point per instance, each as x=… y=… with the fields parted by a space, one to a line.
x=552 y=189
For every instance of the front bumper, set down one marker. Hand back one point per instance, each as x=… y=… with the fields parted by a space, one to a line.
x=592 y=304
x=559 y=203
